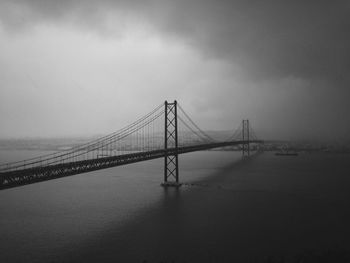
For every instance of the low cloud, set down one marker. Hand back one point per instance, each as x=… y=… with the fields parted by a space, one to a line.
x=296 y=51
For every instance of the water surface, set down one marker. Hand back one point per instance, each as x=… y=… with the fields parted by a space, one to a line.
x=228 y=209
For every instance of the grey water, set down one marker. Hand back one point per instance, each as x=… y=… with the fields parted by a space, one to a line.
x=228 y=209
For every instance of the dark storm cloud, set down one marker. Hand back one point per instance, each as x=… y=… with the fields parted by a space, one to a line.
x=293 y=56
x=308 y=39
x=272 y=38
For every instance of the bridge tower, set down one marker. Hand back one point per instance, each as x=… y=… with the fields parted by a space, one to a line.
x=245 y=138
x=171 y=160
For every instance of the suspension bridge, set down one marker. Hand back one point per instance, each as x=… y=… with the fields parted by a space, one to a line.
x=165 y=132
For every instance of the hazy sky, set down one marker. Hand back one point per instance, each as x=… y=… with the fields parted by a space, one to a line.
x=81 y=67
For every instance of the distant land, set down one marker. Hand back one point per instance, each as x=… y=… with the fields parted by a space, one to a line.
x=66 y=143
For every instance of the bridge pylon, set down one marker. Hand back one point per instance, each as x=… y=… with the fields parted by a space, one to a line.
x=245 y=138
x=171 y=160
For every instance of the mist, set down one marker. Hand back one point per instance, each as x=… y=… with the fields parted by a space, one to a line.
x=87 y=67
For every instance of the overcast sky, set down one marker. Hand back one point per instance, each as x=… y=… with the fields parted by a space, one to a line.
x=84 y=67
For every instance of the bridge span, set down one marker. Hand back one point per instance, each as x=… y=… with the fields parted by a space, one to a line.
x=140 y=141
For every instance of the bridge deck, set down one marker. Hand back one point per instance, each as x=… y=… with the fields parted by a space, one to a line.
x=44 y=173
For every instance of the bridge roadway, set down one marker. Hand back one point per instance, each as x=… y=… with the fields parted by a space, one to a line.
x=44 y=173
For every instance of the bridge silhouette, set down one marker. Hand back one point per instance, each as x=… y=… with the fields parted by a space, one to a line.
x=165 y=132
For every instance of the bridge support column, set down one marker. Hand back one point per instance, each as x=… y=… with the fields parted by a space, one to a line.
x=171 y=160
x=245 y=138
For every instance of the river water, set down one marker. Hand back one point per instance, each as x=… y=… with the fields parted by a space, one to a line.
x=228 y=209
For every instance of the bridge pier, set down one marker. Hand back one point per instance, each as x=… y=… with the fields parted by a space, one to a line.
x=171 y=159
x=245 y=138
